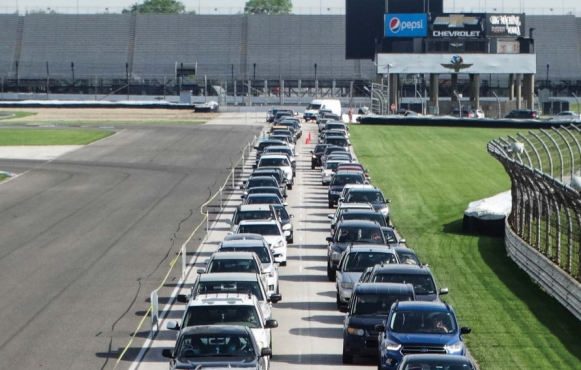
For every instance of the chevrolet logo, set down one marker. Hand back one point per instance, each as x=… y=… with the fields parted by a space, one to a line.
x=456 y=21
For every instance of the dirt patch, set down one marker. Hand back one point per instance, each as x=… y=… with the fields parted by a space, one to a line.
x=109 y=114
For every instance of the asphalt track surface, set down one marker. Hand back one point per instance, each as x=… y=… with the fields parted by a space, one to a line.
x=310 y=329
x=86 y=237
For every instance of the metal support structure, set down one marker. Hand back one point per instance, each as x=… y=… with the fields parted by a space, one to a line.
x=558 y=151
x=546 y=150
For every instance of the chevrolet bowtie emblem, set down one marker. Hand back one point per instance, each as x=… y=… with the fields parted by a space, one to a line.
x=456 y=21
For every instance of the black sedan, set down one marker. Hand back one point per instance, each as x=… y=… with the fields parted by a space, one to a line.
x=214 y=346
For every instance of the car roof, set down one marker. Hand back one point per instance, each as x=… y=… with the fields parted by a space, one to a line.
x=361 y=211
x=218 y=329
x=268 y=155
x=257 y=188
x=401 y=269
x=383 y=288
x=266 y=195
x=238 y=299
x=229 y=276
x=254 y=207
x=279 y=147
x=242 y=243
x=270 y=141
x=355 y=206
x=358 y=223
x=366 y=189
x=370 y=248
x=233 y=255
x=348 y=172
x=424 y=305
x=258 y=222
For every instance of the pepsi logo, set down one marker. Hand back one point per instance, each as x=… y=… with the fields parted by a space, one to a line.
x=395 y=25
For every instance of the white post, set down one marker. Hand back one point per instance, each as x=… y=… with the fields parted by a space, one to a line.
x=184 y=261
x=221 y=207
x=154 y=310
x=233 y=179
x=205 y=89
x=207 y=221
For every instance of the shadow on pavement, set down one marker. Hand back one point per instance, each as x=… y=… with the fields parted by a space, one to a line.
x=310 y=359
x=308 y=306
x=332 y=333
x=326 y=319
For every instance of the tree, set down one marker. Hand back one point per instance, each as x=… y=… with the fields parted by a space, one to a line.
x=41 y=11
x=268 y=7
x=158 y=7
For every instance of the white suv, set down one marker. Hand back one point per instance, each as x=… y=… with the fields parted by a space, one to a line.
x=272 y=232
x=281 y=161
x=228 y=309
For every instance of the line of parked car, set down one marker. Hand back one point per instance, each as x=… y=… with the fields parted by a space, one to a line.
x=392 y=304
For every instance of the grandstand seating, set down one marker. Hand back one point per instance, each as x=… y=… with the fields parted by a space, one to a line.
x=556 y=43
x=97 y=44
x=8 y=30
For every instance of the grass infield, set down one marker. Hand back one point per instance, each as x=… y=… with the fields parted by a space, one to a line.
x=12 y=115
x=16 y=137
x=431 y=174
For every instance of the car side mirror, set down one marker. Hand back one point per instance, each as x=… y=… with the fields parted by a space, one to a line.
x=465 y=330
x=286 y=233
x=275 y=298
x=254 y=166
x=271 y=324
x=291 y=216
x=241 y=186
x=379 y=327
x=330 y=216
x=444 y=291
x=265 y=352
x=243 y=196
x=329 y=239
x=276 y=255
x=366 y=182
x=201 y=271
x=285 y=196
x=387 y=201
x=255 y=147
x=401 y=241
x=206 y=261
x=285 y=204
x=173 y=325
x=343 y=309
x=182 y=298
x=229 y=233
x=167 y=353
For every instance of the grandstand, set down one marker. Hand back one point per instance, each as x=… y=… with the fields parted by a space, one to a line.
x=225 y=47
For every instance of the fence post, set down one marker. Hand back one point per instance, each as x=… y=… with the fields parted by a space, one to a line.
x=221 y=207
x=154 y=310
x=184 y=262
x=207 y=221
x=233 y=179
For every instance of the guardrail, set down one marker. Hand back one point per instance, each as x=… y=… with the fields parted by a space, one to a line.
x=229 y=184
x=543 y=229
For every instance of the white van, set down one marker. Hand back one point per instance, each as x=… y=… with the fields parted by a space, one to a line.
x=313 y=108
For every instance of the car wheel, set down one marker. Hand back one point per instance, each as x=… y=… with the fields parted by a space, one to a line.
x=330 y=204
x=347 y=359
x=270 y=347
x=290 y=186
x=283 y=263
x=338 y=301
x=291 y=240
x=330 y=273
x=312 y=166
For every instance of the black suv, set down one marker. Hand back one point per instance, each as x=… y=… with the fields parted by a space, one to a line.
x=419 y=276
x=275 y=172
x=263 y=181
x=350 y=233
x=214 y=346
x=265 y=144
x=369 y=306
x=339 y=181
x=523 y=114
x=316 y=155
x=363 y=214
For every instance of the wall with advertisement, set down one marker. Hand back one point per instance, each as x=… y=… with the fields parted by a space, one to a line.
x=458 y=25
x=455 y=63
x=406 y=25
x=505 y=25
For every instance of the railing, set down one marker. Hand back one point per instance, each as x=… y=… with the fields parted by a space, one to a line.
x=229 y=186
x=546 y=204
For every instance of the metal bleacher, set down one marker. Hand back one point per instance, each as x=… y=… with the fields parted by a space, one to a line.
x=556 y=43
x=8 y=33
x=96 y=44
x=161 y=41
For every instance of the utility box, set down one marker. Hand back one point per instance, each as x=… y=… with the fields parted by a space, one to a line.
x=186 y=97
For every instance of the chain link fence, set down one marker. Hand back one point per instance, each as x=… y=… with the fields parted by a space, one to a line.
x=544 y=168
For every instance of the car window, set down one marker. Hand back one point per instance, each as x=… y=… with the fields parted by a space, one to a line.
x=347 y=179
x=274 y=162
x=262 y=199
x=408 y=257
x=359 y=261
x=253 y=182
x=423 y=284
x=365 y=197
x=216 y=345
x=346 y=234
x=376 y=304
x=208 y=287
x=259 y=229
x=261 y=252
x=282 y=213
x=422 y=322
x=390 y=236
x=222 y=315
x=233 y=265
x=252 y=215
x=371 y=216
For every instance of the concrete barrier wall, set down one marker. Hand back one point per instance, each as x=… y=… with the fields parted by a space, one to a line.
x=551 y=278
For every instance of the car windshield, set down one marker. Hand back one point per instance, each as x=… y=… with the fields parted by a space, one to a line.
x=320 y=148
x=313 y=106
x=347 y=179
x=370 y=216
x=359 y=234
x=435 y=322
x=222 y=315
x=268 y=229
x=264 y=190
x=282 y=213
x=365 y=197
x=443 y=364
x=233 y=265
x=263 y=146
x=423 y=284
x=254 y=182
x=253 y=215
x=331 y=165
x=262 y=199
x=261 y=252
x=330 y=150
x=208 y=287
x=359 y=261
x=279 y=137
x=336 y=140
x=407 y=257
x=280 y=150
x=276 y=174
x=335 y=126
x=216 y=345
x=274 y=162
x=376 y=304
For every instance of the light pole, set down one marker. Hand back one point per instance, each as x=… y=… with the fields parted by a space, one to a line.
x=421 y=101
x=547 y=75
x=578 y=107
x=388 y=89
x=459 y=103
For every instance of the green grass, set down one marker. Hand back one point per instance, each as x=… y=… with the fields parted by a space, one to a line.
x=50 y=137
x=2 y=177
x=431 y=174
x=16 y=115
